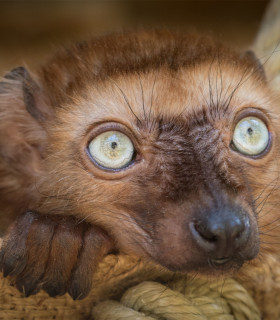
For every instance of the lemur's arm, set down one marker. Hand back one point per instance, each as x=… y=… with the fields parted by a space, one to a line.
x=51 y=252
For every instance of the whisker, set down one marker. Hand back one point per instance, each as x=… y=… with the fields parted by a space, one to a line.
x=143 y=99
x=152 y=96
x=126 y=100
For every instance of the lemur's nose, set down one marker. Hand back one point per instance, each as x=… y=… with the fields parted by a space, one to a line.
x=220 y=233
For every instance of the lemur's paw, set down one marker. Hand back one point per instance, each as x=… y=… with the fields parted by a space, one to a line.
x=53 y=253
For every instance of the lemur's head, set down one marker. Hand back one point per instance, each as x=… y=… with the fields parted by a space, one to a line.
x=166 y=141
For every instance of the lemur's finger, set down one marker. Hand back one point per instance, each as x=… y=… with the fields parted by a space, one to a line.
x=95 y=245
x=38 y=245
x=65 y=247
x=13 y=255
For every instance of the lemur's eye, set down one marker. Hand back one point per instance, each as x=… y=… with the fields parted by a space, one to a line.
x=251 y=136
x=111 y=150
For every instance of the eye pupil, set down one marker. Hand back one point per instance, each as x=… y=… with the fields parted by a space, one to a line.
x=114 y=145
x=250 y=131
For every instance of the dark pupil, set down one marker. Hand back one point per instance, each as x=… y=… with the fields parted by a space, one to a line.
x=114 y=145
x=250 y=131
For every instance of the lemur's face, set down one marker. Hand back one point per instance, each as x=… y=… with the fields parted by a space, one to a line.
x=167 y=163
x=159 y=144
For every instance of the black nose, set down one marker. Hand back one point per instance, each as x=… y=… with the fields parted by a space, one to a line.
x=222 y=233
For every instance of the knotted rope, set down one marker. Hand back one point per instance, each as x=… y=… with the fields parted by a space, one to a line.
x=185 y=298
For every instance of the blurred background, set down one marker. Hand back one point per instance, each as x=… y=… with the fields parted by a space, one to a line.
x=31 y=30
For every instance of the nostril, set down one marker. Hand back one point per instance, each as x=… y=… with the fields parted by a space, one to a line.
x=242 y=233
x=236 y=228
x=201 y=238
x=205 y=233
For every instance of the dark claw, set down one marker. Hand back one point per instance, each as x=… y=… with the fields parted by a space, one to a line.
x=14 y=265
x=80 y=286
x=28 y=288
x=55 y=289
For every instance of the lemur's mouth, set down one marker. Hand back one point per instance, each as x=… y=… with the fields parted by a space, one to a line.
x=221 y=261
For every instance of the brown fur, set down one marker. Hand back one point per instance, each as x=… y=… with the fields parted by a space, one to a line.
x=177 y=96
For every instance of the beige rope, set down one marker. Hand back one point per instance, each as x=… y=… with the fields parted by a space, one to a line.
x=185 y=298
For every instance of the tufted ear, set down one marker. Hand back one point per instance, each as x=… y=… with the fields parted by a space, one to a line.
x=250 y=57
x=32 y=93
x=23 y=113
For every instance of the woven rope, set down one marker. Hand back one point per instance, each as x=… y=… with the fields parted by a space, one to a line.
x=116 y=274
x=113 y=276
x=186 y=298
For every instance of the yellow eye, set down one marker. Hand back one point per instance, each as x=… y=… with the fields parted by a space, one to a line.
x=251 y=136
x=112 y=150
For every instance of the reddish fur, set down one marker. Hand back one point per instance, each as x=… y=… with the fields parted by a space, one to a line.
x=171 y=93
x=21 y=142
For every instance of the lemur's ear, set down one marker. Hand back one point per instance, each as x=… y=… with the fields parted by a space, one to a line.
x=23 y=114
x=32 y=95
x=250 y=56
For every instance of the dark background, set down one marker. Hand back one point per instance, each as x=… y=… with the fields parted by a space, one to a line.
x=31 y=30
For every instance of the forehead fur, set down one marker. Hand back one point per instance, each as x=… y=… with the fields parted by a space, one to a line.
x=130 y=53
x=164 y=95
